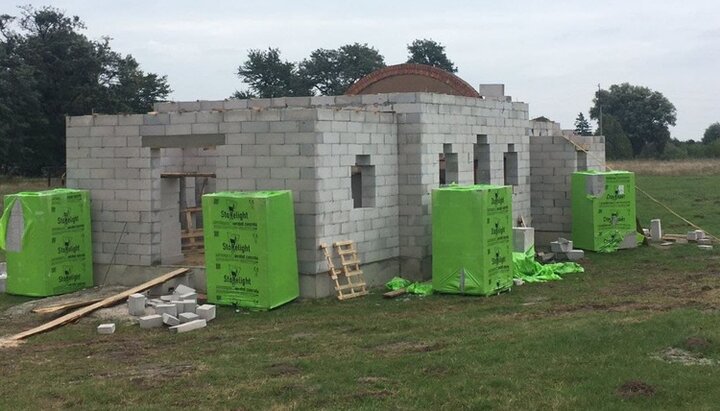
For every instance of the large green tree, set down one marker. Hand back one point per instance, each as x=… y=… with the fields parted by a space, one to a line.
x=430 y=52
x=643 y=114
x=617 y=143
x=712 y=133
x=49 y=69
x=331 y=72
x=270 y=76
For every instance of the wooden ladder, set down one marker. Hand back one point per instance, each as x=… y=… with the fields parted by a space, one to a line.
x=354 y=284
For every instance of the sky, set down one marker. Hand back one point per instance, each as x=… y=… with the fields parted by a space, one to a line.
x=549 y=54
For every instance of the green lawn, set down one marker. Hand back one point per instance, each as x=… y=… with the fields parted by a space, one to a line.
x=569 y=344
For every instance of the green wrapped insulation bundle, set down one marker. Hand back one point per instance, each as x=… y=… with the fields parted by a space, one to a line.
x=47 y=240
x=472 y=239
x=603 y=210
x=250 y=254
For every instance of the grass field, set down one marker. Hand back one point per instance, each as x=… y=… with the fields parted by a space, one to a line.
x=639 y=329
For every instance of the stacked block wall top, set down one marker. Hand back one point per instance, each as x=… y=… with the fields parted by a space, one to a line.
x=250 y=253
x=47 y=239
x=472 y=239
x=603 y=210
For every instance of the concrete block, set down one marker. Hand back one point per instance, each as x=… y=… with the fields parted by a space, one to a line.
x=523 y=239
x=170 y=320
x=206 y=312
x=3 y=283
x=704 y=241
x=692 y=236
x=575 y=255
x=136 y=305
x=151 y=321
x=188 y=296
x=183 y=289
x=106 y=328
x=189 y=326
x=168 y=298
x=154 y=302
x=189 y=306
x=699 y=234
x=187 y=317
x=705 y=247
x=179 y=305
x=170 y=309
x=656 y=230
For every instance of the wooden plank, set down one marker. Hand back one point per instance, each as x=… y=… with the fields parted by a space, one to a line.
x=395 y=293
x=63 y=307
x=106 y=302
x=191 y=210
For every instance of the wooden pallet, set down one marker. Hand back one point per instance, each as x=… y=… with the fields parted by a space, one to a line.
x=192 y=237
x=349 y=281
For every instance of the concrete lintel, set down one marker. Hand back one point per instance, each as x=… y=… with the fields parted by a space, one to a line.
x=183 y=141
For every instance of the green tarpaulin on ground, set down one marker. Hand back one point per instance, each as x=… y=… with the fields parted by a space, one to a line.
x=418 y=288
x=471 y=239
x=47 y=240
x=603 y=210
x=526 y=268
x=250 y=254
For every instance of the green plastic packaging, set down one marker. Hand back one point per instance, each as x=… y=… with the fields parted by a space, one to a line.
x=603 y=210
x=471 y=239
x=397 y=283
x=47 y=238
x=526 y=268
x=250 y=254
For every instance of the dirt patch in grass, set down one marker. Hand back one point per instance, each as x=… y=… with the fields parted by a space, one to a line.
x=282 y=369
x=679 y=356
x=697 y=344
x=634 y=389
x=405 y=347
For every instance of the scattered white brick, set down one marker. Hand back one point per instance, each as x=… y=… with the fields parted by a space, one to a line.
x=153 y=302
x=170 y=309
x=3 y=282
x=192 y=325
x=189 y=306
x=136 y=305
x=188 y=296
x=187 y=317
x=167 y=298
x=206 y=312
x=180 y=306
x=170 y=319
x=183 y=289
x=106 y=328
x=151 y=321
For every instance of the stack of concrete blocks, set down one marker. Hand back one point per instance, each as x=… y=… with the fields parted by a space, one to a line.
x=174 y=310
x=523 y=239
x=563 y=250
x=309 y=145
x=553 y=160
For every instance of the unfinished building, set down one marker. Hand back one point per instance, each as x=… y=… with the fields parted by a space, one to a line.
x=361 y=167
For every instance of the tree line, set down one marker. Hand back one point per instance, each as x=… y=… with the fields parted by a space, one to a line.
x=49 y=69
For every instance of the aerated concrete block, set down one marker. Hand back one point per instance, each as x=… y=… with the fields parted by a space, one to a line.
x=151 y=321
x=187 y=317
x=3 y=281
x=170 y=320
x=192 y=325
x=169 y=309
x=106 y=328
x=136 y=305
x=168 y=298
x=655 y=230
x=575 y=255
x=523 y=239
x=188 y=296
x=189 y=306
x=206 y=312
x=705 y=247
x=183 y=289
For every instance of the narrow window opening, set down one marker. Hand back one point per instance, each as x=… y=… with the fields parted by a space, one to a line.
x=481 y=160
x=448 y=163
x=581 y=161
x=510 y=166
x=362 y=182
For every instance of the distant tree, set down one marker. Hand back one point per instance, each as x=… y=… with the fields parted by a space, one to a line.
x=49 y=69
x=712 y=133
x=243 y=94
x=643 y=114
x=582 y=126
x=617 y=144
x=430 y=52
x=674 y=150
x=269 y=76
x=331 y=72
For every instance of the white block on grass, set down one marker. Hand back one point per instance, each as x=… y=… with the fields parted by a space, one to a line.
x=170 y=320
x=151 y=321
x=188 y=296
x=136 y=305
x=3 y=282
x=187 y=317
x=656 y=230
x=206 y=312
x=699 y=234
x=106 y=328
x=167 y=298
x=170 y=309
x=192 y=325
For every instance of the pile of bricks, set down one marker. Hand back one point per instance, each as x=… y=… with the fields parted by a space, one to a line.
x=698 y=236
x=563 y=250
x=179 y=311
